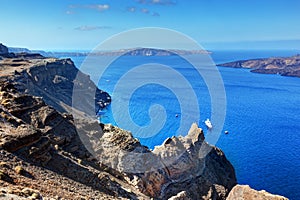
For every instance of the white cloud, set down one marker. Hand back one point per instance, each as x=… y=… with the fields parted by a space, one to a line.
x=131 y=9
x=69 y=12
x=145 y=10
x=91 y=28
x=99 y=7
x=158 y=2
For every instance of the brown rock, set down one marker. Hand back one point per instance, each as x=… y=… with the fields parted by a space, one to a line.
x=244 y=192
x=187 y=163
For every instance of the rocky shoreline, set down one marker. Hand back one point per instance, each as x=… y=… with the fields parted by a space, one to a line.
x=284 y=66
x=47 y=154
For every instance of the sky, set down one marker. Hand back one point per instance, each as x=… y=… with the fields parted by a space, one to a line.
x=215 y=24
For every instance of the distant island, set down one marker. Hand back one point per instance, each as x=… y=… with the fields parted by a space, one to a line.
x=129 y=52
x=285 y=66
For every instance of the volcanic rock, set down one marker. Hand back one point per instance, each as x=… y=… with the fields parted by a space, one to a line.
x=244 y=192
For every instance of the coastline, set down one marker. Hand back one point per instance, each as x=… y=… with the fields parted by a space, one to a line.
x=284 y=66
x=154 y=181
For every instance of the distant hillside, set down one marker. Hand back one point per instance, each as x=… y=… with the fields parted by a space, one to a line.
x=285 y=66
x=25 y=50
x=129 y=52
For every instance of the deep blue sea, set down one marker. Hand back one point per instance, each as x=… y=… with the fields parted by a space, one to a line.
x=262 y=113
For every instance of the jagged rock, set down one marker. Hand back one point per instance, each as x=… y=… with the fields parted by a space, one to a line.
x=180 y=163
x=244 y=192
x=3 y=49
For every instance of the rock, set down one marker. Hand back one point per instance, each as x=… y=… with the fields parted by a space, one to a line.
x=180 y=163
x=31 y=194
x=244 y=192
x=285 y=66
x=11 y=196
x=5 y=177
x=180 y=196
x=19 y=170
x=29 y=55
x=54 y=80
x=3 y=49
x=30 y=129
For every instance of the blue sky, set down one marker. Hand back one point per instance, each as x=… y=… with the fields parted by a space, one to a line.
x=82 y=24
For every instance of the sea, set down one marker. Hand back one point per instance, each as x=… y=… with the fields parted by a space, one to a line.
x=262 y=112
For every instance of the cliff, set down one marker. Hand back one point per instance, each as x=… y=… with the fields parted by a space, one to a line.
x=46 y=153
x=3 y=49
x=44 y=144
x=50 y=78
x=285 y=66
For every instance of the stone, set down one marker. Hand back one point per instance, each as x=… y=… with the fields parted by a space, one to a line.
x=180 y=163
x=3 y=49
x=19 y=170
x=180 y=196
x=244 y=192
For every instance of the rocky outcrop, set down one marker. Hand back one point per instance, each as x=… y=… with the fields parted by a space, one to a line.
x=53 y=79
x=187 y=163
x=38 y=135
x=244 y=192
x=3 y=49
x=289 y=66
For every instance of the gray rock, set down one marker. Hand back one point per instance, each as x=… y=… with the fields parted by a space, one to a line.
x=3 y=49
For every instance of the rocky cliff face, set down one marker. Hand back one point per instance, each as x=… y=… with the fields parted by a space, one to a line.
x=3 y=49
x=40 y=149
x=40 y=137
x=185 y=164
x=289 y=66
x=53 y=79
